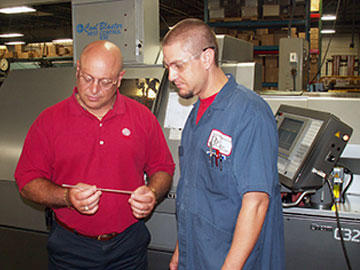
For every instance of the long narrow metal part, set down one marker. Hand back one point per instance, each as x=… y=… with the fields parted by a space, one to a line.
x=101 y=189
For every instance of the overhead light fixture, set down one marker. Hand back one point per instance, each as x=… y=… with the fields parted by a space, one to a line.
x=15 y=43
x=328 y=18
x=11 y=35
x=15 y=10
x=327 y=31
x=63 y=41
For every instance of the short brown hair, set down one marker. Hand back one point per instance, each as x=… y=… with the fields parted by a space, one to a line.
x=194 y=34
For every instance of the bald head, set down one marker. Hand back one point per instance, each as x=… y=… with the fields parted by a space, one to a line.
x=194 y=35
x=106 y=53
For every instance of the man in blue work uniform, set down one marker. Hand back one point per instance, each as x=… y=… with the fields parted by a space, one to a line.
x=229 y=211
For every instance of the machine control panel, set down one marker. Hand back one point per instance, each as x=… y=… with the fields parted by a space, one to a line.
x=309 y=141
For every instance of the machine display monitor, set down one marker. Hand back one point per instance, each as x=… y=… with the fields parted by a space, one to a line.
x=288 y=132
x=310 y=143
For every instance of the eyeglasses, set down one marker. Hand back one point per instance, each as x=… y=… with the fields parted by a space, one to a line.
x=87 y=80
x=179 y=66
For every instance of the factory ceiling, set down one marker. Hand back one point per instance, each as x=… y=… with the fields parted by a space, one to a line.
x=53 y=19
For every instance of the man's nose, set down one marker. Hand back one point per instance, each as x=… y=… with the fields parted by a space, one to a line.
x=172 y=74
x=95 y=86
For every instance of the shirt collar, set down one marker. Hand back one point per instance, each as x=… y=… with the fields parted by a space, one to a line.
x=224 y=93
x=118 y=108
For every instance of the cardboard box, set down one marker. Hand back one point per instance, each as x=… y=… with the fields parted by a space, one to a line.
x=214 y=4
x=255 y=42
x=18 y=50
x=302 y=35
x=9 y=54
x=262 y=31
x=233 y=32
x=249 y=12
x=278 y=35
x=267 y=40
x=299 y=11
x=271 y=61
x=233 y=9
x=259 y=60
x=51 y=50
x=314 y=5
x=250 y=3
x=243 y=36
x=217 y=13
x=271 y=75
x=271 y=10
x=314 y=33
x=221 y=30
x=314 y=44
x=293 y=31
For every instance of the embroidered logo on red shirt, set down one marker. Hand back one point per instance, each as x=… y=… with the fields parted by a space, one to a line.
x=126 y=132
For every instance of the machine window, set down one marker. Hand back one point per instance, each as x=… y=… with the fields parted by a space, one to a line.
x=143 y=90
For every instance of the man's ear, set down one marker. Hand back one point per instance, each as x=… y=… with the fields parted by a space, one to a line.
x=208 y=58
x=77 y=68
x=119 y=78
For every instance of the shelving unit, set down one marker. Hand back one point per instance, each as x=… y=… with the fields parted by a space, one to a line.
x=301 y=24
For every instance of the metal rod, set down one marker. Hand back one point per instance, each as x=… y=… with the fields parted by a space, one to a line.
x=100 y=189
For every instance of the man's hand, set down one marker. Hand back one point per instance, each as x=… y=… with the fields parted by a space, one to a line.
x=142 y=202
x=175 y=259
x=84 y=198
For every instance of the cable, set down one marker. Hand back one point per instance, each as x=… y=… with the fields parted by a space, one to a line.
x=327 y=49
x=338 y=223
x=347 y=171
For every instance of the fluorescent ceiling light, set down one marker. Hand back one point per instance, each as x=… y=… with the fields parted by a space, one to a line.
x=14 y=10
x=11 y=35
x=14 y=43
x=327 y=31
x=63 y=41
x=328 y=18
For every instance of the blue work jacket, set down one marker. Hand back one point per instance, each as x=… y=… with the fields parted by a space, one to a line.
x=231 y=151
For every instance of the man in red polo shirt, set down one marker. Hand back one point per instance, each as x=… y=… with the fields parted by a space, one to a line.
x=97 y=138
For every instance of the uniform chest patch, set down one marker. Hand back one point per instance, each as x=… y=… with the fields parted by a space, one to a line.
x=220 y=141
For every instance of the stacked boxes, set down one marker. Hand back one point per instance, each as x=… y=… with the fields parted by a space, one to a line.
x=216 y=11
x=250 y=9
x=267 y=10
x=314 y=38
x=261 y=36
x=271 y=69
x=271 y=11
x=37 y=50
x=220 y=9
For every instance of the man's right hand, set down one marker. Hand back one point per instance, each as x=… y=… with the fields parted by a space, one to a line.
x=175 y=259
x=84 y=198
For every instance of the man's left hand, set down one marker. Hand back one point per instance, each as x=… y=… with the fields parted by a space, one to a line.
x=142 y=202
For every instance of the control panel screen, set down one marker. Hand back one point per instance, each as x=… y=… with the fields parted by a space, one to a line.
x=288 y=131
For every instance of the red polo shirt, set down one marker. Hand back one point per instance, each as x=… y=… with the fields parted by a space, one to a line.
x=67 y=144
